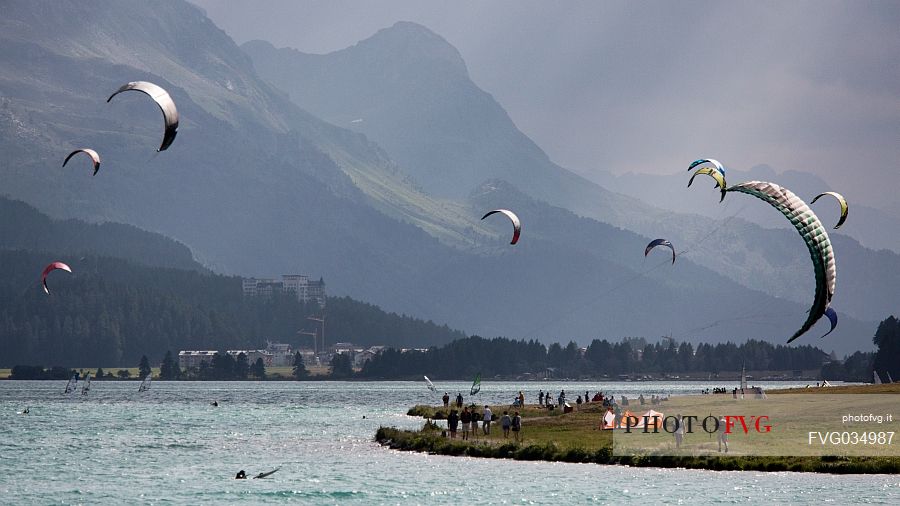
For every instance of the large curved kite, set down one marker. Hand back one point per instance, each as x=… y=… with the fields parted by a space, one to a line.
x=660 y=242
x=90 y=152
x=165 y=103
x=517 y=225
x=50 y=268
x=841 y=200
x=814 y=235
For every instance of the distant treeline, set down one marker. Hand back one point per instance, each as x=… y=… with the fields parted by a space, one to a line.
x=464 y=358
x=885 y=361
x=110 y=311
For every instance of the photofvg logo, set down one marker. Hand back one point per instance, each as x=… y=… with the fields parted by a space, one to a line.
x=689 y=424
x=817 y=423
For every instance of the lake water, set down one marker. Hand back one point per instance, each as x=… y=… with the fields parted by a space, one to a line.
x=170 y=446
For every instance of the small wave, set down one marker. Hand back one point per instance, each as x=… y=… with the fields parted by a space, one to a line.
x=313 y=494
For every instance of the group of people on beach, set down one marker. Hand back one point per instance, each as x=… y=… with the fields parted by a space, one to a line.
x=469 y=417
x=546 y=399
x=469 y=420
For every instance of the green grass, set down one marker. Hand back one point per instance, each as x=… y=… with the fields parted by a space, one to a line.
x=575 y=437
x=888 y=388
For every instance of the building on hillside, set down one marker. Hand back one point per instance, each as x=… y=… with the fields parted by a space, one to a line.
x=316 y=291
x=188 y=359
x=297 y=284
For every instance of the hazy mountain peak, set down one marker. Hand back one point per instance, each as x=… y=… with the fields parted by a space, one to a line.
x=410 y=44
x=763 y=171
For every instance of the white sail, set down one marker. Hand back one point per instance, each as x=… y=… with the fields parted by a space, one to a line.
x=890 y=380
x=430 y=385
x=70 y=386
x=86 y=387
x=145 y=385
x=877 y=378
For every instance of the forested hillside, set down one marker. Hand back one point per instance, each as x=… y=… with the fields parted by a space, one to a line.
x=24 y=227
x=110 y=312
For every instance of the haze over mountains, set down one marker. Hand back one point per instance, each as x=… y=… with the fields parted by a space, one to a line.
x=264 y=181
x=468 y=128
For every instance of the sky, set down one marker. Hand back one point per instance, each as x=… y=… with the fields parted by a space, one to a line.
x=650 y=86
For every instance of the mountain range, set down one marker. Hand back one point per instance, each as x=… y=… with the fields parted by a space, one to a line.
x=371 y=167
x=459 y=121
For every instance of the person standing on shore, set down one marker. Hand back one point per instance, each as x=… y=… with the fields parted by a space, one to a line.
x=446 y=399
x=516 y=425
x=486 y=417
x=722 y=436
x=466 y=419
x=505 y=422
x=541 y=398
x=562 y=398
x=453 y=423
x=459 y=400
x=521 y=399
x=679 y=430
x=474 y=422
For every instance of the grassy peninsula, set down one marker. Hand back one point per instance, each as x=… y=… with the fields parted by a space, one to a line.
x=576 y=437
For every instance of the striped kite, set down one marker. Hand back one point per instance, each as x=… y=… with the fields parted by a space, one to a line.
x=814 y=235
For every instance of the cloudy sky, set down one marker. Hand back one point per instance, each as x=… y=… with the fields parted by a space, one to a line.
x=650 y=86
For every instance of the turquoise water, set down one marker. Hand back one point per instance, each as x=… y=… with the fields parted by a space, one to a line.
x=170 y=446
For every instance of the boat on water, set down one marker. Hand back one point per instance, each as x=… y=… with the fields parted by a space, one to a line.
x=73 y=382
x=145 y=385
x=86 y=387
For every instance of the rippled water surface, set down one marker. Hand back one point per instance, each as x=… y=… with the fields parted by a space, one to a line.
x=171 y=446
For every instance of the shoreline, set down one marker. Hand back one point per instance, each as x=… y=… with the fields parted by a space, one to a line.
x=434 y=444
x=550 y=435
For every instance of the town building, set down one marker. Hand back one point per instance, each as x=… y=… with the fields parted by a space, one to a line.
x=253 y=356
x=189 y=359
x=300 y=285
x=282 y=354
